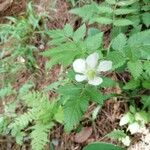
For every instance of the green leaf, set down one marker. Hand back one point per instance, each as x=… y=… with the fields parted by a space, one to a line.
x=53 y=86
x=146 y=84
x=116 y=134
x=79 y=34
x=126 y=2
x=119 y=42
x=63 y=54
x=101 y=20
x=25 y=88
x=146 y=101
x=70 y=90
x=146 y=19
x=86 y=12
x=105 y=9
x=135 y=67
x=5 y=91
x=102 y=146
x=146 y=67
x=132 y=84
x=68 y=29
x=73 y=112
x=95 y=95
x=117 y=58
x=93 y=31
x=122 y=22
x=139 y=39
x=107 y=82
x=124 y=11
x=59 y=115
x=94 y=42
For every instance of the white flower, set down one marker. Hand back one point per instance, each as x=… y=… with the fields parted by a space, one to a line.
x=126 y=141
x=89 y=69
x=125 y=119
x=20 y=59
x=134 y=128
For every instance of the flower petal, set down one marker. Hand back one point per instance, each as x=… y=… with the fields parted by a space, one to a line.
x=79 y=65
x=125 y=119
x=104 y=66
x=80 y=78
x=126 y=141
x=96 y=81
x=134 y=128
x=92 y=60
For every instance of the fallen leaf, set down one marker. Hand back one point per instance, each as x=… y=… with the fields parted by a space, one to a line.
x=83 y=135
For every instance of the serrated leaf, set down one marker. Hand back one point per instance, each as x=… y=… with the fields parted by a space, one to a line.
x=138 y=39
x=70 y=90
x=146 y=67
x=126 y=2
x=64 y=59
x=73 y=112
x=117 y=58
x=79 y=33
x=146 y=101
x=55 y=33
x=132 y=84
x=116 y=134
x=68 y=30
x=63 y=54
x=135 y=67
x=94 y=42
x=107 y=82
x=124 y=11
x=119 y=42
x=146 y=19
x=105 y=9
x=95 y=95
x=86 y=12
x=122 y=22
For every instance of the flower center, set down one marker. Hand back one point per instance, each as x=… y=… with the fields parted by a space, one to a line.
x=91 y=74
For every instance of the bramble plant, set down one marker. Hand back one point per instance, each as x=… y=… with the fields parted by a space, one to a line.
x=87 y=69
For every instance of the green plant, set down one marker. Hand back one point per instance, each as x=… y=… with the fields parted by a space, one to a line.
x=17 y=40
x=41 y=114
x=87 y=69
x=118 y=13
x=102 y=146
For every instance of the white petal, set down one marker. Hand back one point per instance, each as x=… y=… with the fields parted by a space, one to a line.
x=104 y=66
x=134 y=128
x=126 y=141
x=79 y=65
x=96 y=81
x=125 y=119
x=80 y=78
x=92 y=60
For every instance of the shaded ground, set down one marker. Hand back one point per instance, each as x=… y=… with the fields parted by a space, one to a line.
x=62 y=141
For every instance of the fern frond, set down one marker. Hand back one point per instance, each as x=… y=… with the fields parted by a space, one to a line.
x=39 y=135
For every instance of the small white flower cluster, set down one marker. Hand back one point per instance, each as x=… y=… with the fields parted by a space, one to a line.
x=136 y=124
x=90 y=69
x=126 y=140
